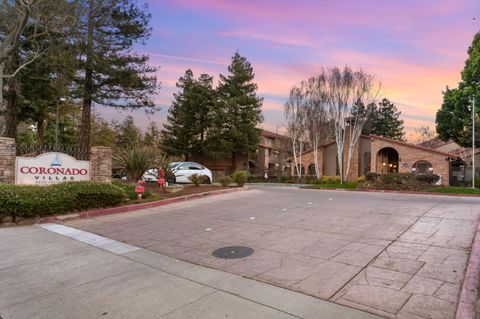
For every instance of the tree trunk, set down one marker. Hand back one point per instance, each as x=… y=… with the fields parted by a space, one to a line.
x=315 y=159
x=1 y=87
x=12 y=108
x=12 y=99
x=339 y=138
x=234 y=162
x=41 y=131
x=85 y=128
x=84 y=146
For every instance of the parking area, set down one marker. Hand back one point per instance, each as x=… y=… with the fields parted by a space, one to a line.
x=398 y=256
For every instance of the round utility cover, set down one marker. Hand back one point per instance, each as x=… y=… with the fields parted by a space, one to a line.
x=233 y=252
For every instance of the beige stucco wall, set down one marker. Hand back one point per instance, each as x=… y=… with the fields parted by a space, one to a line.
x=330 y=162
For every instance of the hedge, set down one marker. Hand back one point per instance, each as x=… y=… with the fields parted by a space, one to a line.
x=399 y=181
x=28 y=201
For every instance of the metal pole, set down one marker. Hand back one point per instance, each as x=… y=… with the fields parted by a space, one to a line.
x=56 y=128
x=473 y=143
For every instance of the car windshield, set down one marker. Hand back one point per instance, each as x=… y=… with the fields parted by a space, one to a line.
x=175 y=164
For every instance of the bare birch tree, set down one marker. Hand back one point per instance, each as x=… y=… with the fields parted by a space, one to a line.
x=295 y=112
x=343 y=88
x=318 y=123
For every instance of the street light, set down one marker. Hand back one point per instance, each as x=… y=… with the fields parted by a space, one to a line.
x=473 y=142
x=473 y=128
x=62 y=99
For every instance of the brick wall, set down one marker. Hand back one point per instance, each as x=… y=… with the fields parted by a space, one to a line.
x=354 y=163
x=101 y=164
x=409 y=155
x=7 y=160
x=307 y=160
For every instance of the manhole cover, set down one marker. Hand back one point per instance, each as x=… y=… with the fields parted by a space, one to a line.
x=233 y=252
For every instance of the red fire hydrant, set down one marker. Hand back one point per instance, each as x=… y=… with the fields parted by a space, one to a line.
x=161 y=179
x=139 y=189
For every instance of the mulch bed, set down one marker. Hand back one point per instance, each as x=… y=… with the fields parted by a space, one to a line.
x=186 y=190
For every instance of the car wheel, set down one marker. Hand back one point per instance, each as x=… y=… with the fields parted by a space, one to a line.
x=207 y=180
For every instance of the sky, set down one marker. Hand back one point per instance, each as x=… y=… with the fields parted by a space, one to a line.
x=414 y=48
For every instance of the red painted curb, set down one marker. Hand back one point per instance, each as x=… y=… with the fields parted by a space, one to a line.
x=129 y=208
x=392 y=192
x=469 y=294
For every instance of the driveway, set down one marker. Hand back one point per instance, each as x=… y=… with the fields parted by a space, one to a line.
x=57 y=272
x=398 y=256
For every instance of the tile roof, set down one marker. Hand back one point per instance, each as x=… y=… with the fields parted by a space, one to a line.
x=411 y=145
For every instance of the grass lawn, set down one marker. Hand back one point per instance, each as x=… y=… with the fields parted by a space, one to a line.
x=455 y=190
x=348 y=185
x=438 y=189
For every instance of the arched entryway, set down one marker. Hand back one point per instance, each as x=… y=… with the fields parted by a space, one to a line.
x=387 y=160
x=311 y=170
x=422 y=168
x=300 y=168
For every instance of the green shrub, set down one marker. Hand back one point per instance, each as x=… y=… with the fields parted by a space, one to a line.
x=399 y=181
x=240 y=177
x=93 y=194
x=361 y=179
x=198 y=179
x=134 y=161
x=130 y=191
x=307 y=179
x=30 y=201
x=331 y=180
x=428 y=179
x=225 y=181
x=286 y=179
x=371 y=177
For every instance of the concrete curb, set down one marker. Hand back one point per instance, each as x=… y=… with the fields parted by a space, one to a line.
x=130 y=208
x=469 y=293
x=278 y=184
x=392 y=192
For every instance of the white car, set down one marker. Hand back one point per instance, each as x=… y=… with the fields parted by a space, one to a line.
x=182 y=171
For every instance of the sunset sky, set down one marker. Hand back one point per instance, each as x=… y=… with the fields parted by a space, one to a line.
x=415 y=48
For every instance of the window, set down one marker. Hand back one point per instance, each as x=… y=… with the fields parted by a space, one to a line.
x=422 y=168
x=184 y=166
x=299 y=168
x=195 y=166
x=311 y=169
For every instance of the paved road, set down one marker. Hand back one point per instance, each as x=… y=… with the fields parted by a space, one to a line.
x=399 y=256
x=60 y=272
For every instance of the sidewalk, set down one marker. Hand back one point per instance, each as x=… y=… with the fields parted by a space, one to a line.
x=60 y=272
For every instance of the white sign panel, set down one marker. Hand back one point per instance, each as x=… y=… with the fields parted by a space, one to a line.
x=50 y=168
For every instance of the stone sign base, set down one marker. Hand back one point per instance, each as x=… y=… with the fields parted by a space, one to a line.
x=100 y=157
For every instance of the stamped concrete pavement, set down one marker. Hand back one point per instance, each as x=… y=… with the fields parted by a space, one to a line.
x=395 y=255
x=56 y=272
